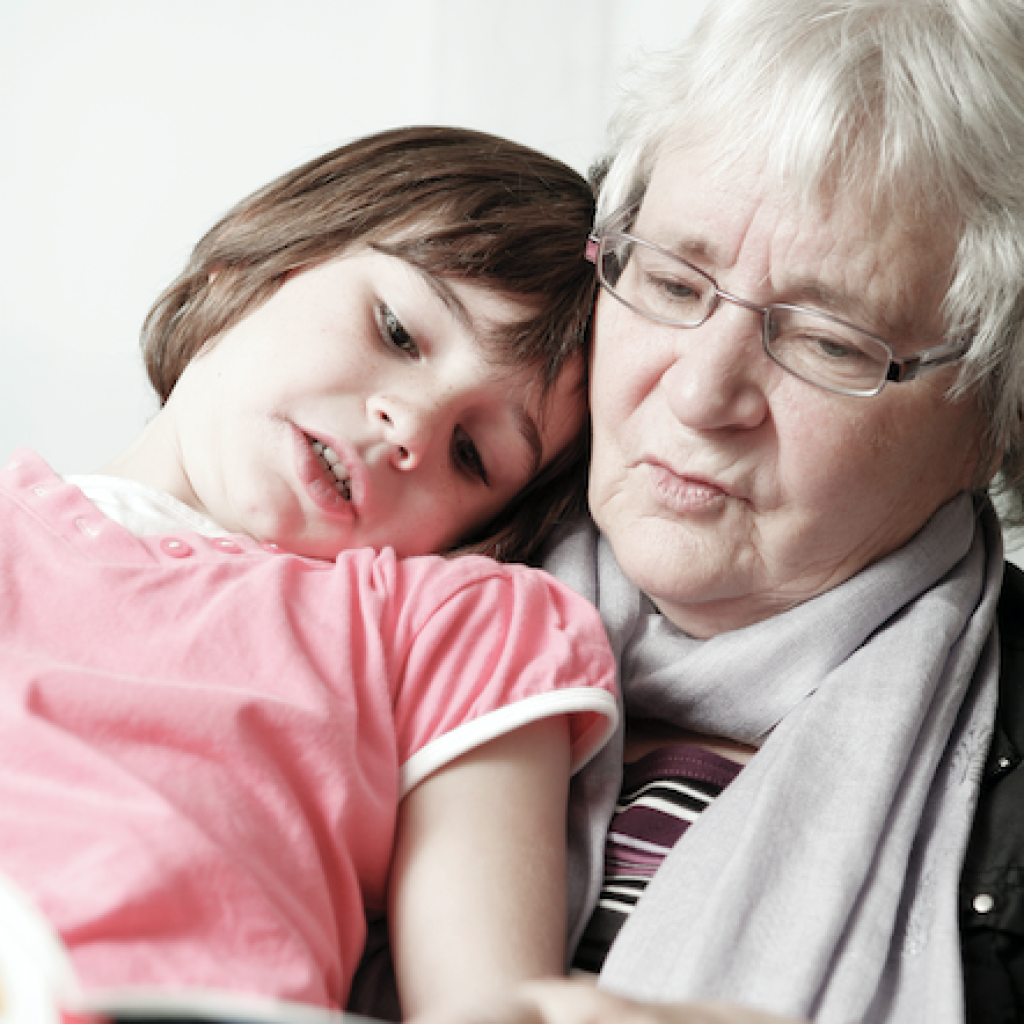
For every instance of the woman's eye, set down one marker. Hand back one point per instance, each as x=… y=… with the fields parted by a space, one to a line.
x=675 y=289
x=833 y=349
x=395 y=333
x=466 y=456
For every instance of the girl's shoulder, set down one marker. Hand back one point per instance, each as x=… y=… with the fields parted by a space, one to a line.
x=479 y=577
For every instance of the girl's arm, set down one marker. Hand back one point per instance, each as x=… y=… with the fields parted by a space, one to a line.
x=477 y=890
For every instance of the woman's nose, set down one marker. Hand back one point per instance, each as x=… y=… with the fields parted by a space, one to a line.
x=717 y=380
x=406 y=426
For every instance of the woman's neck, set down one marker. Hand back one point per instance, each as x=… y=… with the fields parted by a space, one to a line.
x=644 y=735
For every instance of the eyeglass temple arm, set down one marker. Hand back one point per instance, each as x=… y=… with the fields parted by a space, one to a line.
x=901 y=370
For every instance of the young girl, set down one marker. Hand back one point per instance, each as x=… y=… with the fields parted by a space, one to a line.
x=236 y=714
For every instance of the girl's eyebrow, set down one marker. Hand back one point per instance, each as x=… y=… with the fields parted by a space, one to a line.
x=444 y=291
x=531 y=435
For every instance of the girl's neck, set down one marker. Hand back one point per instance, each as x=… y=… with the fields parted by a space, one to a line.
x=153 y=459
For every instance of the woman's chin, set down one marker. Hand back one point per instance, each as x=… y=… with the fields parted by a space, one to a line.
x=677 y=568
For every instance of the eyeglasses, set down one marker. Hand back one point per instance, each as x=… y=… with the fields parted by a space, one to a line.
x=816 y=347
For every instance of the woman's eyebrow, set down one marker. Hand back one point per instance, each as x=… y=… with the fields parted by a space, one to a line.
x=687 y=247
x=846 y=305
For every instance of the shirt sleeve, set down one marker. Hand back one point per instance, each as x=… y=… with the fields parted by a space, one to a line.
x=484 y=648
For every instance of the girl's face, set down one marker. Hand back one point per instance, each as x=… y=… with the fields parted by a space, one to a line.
x=378 y=369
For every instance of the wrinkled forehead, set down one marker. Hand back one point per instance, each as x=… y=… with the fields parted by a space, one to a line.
x=884 y=265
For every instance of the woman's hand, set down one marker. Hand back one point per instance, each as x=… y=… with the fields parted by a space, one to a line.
x=578 y=1002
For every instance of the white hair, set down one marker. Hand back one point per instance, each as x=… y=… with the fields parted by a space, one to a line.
x=915 y=103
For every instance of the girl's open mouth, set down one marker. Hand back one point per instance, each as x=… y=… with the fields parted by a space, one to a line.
x=334 y=467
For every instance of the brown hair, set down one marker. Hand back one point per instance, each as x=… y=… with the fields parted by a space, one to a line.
x=455 y=202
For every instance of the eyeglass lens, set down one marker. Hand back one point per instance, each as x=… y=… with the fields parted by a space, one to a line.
x=810 y=345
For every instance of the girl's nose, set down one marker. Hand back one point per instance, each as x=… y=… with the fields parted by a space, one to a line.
x=718 y=378
x=406 y=426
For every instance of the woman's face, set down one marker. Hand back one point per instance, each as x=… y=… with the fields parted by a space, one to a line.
x=380 y=370
x=729 y=489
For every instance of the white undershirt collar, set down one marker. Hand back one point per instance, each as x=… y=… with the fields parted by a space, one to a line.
x=143 y=510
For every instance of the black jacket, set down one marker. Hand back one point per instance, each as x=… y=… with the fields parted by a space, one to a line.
x=992 y=883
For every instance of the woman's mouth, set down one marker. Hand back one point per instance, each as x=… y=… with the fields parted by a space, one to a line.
x=334 y=467
x=685 y=493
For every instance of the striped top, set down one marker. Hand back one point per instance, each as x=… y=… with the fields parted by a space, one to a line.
x=662 y=793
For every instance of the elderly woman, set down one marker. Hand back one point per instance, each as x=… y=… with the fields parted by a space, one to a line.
x=808 y=367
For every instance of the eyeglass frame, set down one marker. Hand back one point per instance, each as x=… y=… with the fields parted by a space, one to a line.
x=899 y=371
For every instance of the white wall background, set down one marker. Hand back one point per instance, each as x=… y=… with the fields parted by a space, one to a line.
x=127 y=127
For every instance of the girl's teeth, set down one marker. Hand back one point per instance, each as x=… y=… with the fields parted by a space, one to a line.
x=331 y=461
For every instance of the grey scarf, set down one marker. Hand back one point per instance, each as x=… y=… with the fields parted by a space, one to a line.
x=823 y=882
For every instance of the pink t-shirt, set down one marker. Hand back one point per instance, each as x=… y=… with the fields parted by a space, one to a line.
x=203 y=742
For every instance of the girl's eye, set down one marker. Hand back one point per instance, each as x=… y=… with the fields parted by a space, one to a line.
x=395 y=333
x=466 y=456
